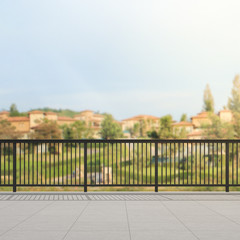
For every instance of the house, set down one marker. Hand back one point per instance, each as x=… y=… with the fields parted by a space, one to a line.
x=92 y=119
x=26 y=124
x=200 y=119
x=148 y=123
x=226 y=115
x=204 y=118
x=183 y=125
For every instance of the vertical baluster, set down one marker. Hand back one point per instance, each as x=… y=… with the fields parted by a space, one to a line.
x=150 y=163
x=146 y=164
x=41 y=163
x=99 y=164
x=170 y=163
x=227 y=167
x=142 y=163
x=20 y=163
x=85 y=167
x=120 y=163
x=103 y=163
x=166 y=163
x=33 y=163
x=37 y=163
x=156 y=167
x=58 y=163
x=14 y=168
x=161 y=163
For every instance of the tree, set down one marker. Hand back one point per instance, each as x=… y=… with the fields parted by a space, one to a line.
x=77 y=130
x=67 y=132
x=110 y=129
x=208 y=102
x=165 y=130
x=236 y=124
x=13 y=110
x=152 y=134
x=142 y=128
x=7 y=131
x=183 y=117
x=180 y=133
x=234 y=100
x=217 y=129
x=134 y=131
x=47 y=130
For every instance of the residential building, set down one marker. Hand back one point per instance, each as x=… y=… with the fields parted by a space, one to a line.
x=182 y=126
x=226 y=115
x=147 y=122
x=200 y=119
x=92 y=119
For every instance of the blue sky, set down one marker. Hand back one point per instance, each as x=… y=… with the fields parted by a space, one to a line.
x=122 y=57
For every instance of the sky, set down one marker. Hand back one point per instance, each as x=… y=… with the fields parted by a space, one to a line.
x=123 y=57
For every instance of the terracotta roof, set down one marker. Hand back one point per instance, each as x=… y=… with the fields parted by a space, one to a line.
x=35 y=112
x=4 y=112
x=94 y=115
x=65 y=119
x=50 y=113
x=86 y=111
x=201 y=115
x=18 y=119
x=138 y=117
x=182 y=123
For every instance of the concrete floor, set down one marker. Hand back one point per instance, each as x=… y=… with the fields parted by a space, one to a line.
x=120 y=216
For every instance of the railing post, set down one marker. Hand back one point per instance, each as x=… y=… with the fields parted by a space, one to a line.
x=227 y=166
x=85 y=167
x=14 y=167
x=156 y=167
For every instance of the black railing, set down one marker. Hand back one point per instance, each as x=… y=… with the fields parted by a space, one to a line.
x=100 y=163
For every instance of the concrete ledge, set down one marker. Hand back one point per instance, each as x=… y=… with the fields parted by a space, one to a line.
x=121 y=193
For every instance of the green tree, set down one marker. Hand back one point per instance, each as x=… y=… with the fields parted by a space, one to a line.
x=180 y=133
x=77 y=130
x=183 y=117
x=217 y=129
x=67 y=132
x=165 y=130
x=208 y=102
x=236 y=124
x=110 y=129
x=13 y=111
x=134 y=131
x=7 y=131
x=47 y=130
x=152 y=134
x=234 y=100
x=142 y=128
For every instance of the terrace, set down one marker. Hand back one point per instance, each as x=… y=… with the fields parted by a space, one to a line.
x=120 y=216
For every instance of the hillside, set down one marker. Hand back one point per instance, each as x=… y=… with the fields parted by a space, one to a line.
x=60 y=112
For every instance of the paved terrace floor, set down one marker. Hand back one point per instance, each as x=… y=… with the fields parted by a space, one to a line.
x=118 y=216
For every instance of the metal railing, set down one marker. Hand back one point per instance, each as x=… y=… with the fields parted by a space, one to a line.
x=101 y=163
